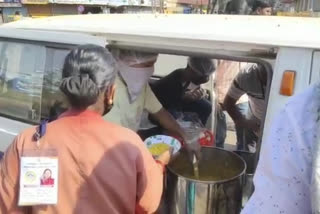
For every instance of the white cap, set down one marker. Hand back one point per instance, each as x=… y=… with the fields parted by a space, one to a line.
x=201 y=65
x=130 y=57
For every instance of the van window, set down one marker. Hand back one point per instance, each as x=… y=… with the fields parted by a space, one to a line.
x=243 y=82
x=167 y=63
x=52 y=98
x=29 y=81
x=21 y=79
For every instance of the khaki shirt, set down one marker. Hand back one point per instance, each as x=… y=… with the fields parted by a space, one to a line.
x=129 y=114
x=103 y=168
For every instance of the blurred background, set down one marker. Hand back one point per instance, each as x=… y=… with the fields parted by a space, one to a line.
x=12 y=10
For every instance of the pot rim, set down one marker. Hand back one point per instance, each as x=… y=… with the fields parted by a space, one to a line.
x=243 y=172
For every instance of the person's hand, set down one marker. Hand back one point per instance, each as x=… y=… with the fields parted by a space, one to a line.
x=193 y=148
x=195 y=95
x=165 y=157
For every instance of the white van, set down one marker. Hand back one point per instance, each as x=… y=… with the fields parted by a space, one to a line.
x=32 y=54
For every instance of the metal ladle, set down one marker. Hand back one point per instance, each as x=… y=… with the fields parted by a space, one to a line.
x=195 y=163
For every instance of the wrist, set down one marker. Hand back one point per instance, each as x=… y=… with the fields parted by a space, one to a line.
x=161 y=165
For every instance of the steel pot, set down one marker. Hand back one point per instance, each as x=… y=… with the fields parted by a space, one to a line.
x=186 y=195
x=248 y=187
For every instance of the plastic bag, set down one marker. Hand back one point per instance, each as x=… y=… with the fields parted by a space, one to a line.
x=194 y=129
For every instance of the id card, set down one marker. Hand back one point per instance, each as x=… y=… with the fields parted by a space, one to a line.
x=38 y=180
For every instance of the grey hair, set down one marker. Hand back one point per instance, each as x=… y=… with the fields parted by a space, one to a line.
x=87 y=70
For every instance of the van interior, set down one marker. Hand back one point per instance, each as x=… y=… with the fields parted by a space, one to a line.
x=217 y=88
x=31 y=94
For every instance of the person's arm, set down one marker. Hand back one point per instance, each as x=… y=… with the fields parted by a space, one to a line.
x=149 y=178
x=166 y=121
x=172 y=127
x=194 y=95
x=229 y=104
x=234 y=93
x=9 y=180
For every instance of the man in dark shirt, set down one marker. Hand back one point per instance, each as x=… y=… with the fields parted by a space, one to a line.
x=252 y=81
x=180 y=91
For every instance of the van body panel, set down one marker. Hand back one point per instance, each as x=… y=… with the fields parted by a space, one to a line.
x=232 y=32
x=68 y=38
x=9 y=129
x=296 y=59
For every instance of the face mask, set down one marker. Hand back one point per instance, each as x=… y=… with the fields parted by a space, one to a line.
x=135 y=78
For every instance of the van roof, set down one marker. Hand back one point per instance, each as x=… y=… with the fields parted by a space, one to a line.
x=53 y=37
x=188 y=31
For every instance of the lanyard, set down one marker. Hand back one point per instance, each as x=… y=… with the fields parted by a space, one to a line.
x=41 y=131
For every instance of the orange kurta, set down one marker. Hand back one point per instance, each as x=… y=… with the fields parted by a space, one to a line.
x=103 y=168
